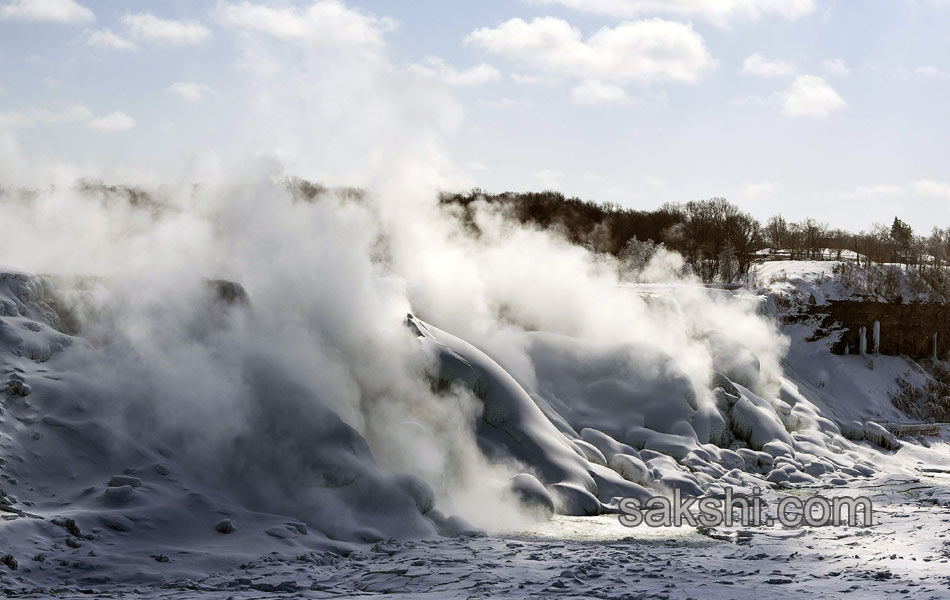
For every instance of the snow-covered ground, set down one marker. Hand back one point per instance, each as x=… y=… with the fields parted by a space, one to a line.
x=905 y=554
x=103 y=491
x=824 y=280
x=857 y=388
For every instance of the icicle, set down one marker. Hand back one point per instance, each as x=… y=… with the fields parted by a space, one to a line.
x=877 y=337
x=863 y=341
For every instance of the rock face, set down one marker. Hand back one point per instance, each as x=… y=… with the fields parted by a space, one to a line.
x=904 y=328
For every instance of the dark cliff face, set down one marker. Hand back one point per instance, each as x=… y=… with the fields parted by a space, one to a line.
x=905 y=328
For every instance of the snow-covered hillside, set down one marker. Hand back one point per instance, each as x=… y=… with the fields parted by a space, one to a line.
x=824 y=280
x=845 y=387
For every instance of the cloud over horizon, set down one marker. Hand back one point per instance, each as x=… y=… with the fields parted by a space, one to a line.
x=593 y=92
x=756 y=64
x=146 y=27
x=646 y=51
x=190 y=90
x=437 y=68
x=50 y=11
x=322 y=23
x=106 y=38
x=114 y=121
x=811 y=96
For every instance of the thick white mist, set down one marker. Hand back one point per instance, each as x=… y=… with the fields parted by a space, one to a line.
x=331 y=281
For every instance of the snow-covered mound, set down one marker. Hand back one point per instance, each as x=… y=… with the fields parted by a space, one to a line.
x=592 y=413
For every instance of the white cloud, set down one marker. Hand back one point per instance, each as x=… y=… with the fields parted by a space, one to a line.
x=115 y=121
x=105 y=38
x=593 y=92
x=323 y=23
x=759 y=189
x=436 y=68
x=835 y=68
x=53 y=11
x=647 y=50
x=932 y=72
x=811 y=96
x=189 y=90
x=763 y=67
x=146 y=27
x=931 y=189
x=720 y=12
x=32 y=117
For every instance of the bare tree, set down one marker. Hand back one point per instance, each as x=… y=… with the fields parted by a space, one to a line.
x=776 y=233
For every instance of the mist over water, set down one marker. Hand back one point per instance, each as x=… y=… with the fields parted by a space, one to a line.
x=253 y=393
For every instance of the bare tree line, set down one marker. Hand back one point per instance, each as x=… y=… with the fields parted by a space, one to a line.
x=718 y=240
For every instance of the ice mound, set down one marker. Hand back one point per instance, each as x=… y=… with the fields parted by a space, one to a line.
x=643 y=428
x=511 y=427
x=754 y=421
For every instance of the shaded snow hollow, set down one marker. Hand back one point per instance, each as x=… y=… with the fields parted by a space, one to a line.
x=81 y=492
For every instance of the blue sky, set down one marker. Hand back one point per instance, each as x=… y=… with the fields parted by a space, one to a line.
x=835 y=110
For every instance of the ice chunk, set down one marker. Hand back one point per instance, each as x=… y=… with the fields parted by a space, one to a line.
x=755 y=421
x=673 y=477
x=532 y=494
x=777 y=448
x=877 y=434
x=591 y=452
x=573 y=500
x=610 y=485
x=632 y=469
x=606 y=444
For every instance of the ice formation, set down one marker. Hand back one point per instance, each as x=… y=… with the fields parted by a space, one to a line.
x=150 y=413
